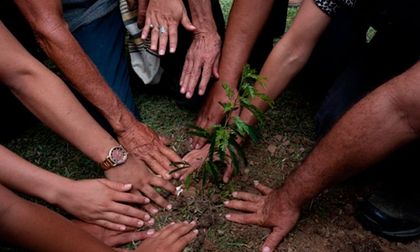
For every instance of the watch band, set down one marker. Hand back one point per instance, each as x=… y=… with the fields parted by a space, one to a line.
x=107 y=164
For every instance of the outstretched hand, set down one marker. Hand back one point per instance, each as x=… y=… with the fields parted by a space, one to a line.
x=100 y=201
x=136 y=173
x=201 y=62
x=144 y=144
x=162 y=18
x=271 y=209
x=113 y=238
x=172 y=238
x=196 y=159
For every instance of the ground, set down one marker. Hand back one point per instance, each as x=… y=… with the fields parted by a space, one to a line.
x=327 y=223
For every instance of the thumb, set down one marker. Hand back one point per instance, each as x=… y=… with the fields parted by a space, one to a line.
x=187 y=23
x=116 y=185
x=273 y=240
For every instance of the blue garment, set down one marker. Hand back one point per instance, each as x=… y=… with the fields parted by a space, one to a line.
x=103 y=41
x=82 y=12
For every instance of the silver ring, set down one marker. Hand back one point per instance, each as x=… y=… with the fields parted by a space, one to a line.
x=162 y=30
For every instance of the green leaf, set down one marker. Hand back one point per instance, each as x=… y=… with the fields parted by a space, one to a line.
x=228 y=90
x=234 y=158
x=228 y=107
x=197 y=131
x=240 y=126
x=254 y=110
x=239 y=150
x=187 y=181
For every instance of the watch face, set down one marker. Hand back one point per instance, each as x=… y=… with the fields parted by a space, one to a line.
x=118 y=155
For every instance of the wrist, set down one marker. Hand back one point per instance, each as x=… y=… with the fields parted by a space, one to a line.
x=59 y=192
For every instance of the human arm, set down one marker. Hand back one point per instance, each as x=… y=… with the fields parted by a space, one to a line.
x=54 y=36
x=383 y=121
x=290 y=54
x=54 y=104
x=36 y=228
x=203 y=56
x=241 y=34
x=166 y=14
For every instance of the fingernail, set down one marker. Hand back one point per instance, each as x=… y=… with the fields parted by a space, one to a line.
x=122 y=228
x=193 y=222
x=127 y=186
x=195 y=231
x=256 y=182
x=197 y=146
x=188 y=94
x=176 y=175
x=150 y=232
x=226 y=202
x=234 y=194
x=266 y=249
x=153 y=48
x=151 y=222
x=146 y=200
x=228 y=216
x=140 y=224
x=161 y=52
x=201 y=92
x=168 y=176
x=185 y=222
x=172 y=50
x=171 y=223
x=169 y=207
x=182 y=90
x=154 y=210
x=147 y=217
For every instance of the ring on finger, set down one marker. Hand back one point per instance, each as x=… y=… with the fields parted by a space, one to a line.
x=162 y=30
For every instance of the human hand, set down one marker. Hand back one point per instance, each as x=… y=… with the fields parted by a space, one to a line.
x=202 y=60
x=144 y=144
x=163 y=18
x=100 y=201
x=196 y=159
x=211 y=112
x=113 y=238
x=271 y=209
x=136 y=173
x=172 y=238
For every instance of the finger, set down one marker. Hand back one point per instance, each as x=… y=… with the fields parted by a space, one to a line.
x=170 y=154
x=120 y=187
x=187 y=23
x=151 y=209
x=274 y=239
x=141 y=12
x=182 y=242
x=163 y=36
x=174 y=231
x=246 y=196
x=132 y=4
x=126 y=237
x=249 y=218
x=146 y=28
x=184 y=75
x=173 y=36
x=156 y=167
x=188 y=73
x=184 y=173
x=262 y=188
x=216 y=67
x=155 y=34
x=228 y=173
x=194 y=77
x=164 y=140
x=123 y=219
x=130 y=211
x=110 y=225
x=156 y=197
x=130 y=198
x=205 y=78
x=163 y=161
x=168 y=186
x=241 y=205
